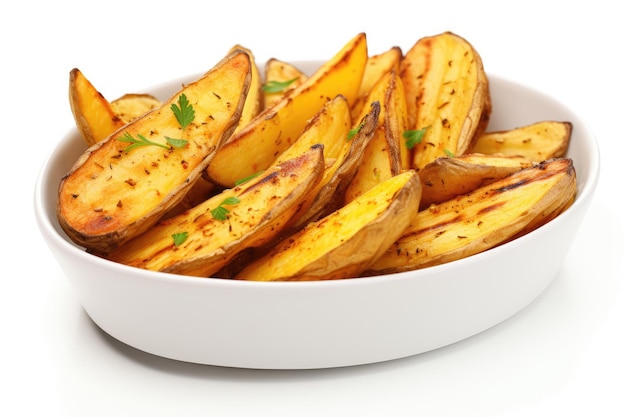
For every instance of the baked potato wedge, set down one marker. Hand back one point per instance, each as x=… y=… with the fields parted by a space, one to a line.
x=344 y=243
x=447 y=94
x=122 y=185
x=375 y=69
x=255 y=147
x=94 y=117
x=254 y=100
x=205 y=238
x=448 y=177
x=537 y=141
x=280 y=78
x=329 y=195
x=385 y=155
x=487 y=217
x=132 y=106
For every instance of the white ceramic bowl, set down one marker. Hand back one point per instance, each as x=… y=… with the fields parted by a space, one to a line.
x=304 y=325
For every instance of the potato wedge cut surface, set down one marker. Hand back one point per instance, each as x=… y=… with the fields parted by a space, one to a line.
x=447 y=94
x=219 y=228
x=483 y=219
x=116 y=191
x=94 y=117
x=344 y=243
x=256 y=146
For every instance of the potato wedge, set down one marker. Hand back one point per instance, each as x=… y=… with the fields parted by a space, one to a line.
x=255 y=147
x=94 y=117
x=537 y=141
x=375 y=69
x=485 y=218
x=447 y=94
x=344 y=243
x=280 y=78
x=446 y=178
x=329 y=195
x=251 y=215
x=254 y=101
x=383 y=156
x=132 y=106
x=116 y=191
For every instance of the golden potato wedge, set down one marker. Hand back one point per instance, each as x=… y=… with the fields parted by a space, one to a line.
x=329 y=195
x=94 y=117
x=254 y=101
x=122 y=185
x=537 y=141
x=383 y=156
x=205 y=238
x=255 y=147
x=447 y=94
x=280 y=78
x=133 y=105
x=448 y=177
x=375 y=69
x=485 y=218
x=344 y=243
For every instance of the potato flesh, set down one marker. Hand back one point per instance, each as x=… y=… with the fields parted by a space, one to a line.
x=265 y=204
x=382 y=157
x=277 y=127
x=487 y=217
x=111 y=195
x=277 y=71
x=132 y=106
x=342 y=244
x=447 y=94
x=95 y=118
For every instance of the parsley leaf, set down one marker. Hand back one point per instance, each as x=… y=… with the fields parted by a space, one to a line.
x=141 y=140
x=220 y=212
x=353 y=132
x=179 y=238
x=177 y=143
x=413 y=137
x=277 y=86
x=184 y=112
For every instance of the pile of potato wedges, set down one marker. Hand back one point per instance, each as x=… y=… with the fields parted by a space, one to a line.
x=373 y=164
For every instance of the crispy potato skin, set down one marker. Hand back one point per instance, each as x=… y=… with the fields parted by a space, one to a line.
x=383 y=157
x=448 y=177
x=111 y=195
x=265 y=205
x=538 y=141
x=447 y=93
x=344 y=243
x=485 y=218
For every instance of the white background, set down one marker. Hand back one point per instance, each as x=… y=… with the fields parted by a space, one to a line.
x=562 y=355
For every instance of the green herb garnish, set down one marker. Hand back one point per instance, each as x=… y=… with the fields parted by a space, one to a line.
x=141 y=140
x=220 y=212
x=277 y=86
x=449 y=153
x=413 y=137
x=184 y=112
x=179 y=238
x=248 y=178
x=353 y=132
